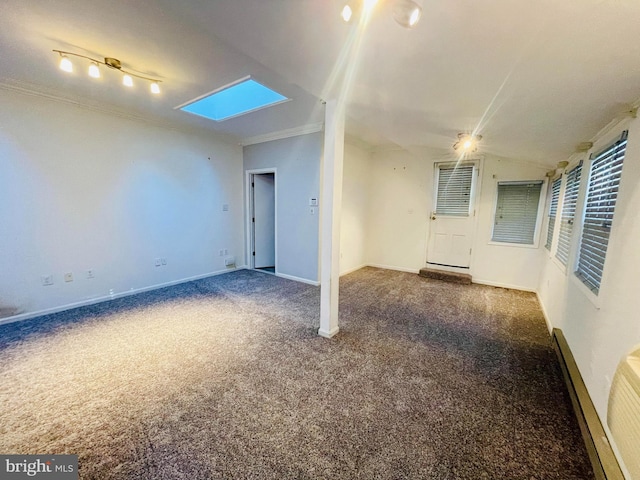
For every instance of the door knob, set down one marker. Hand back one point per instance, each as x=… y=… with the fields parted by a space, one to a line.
x=433 y=217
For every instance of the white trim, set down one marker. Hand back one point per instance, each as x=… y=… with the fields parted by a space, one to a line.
x=249 y=212
x=105 y=298
x=389 y=267
x=31 y=90
x=328 y=334
x=448 y=268
x=354 y=269
x=544 y=313
x=296 y=279
x=287 y=133
x=503 y=285
x=540 y=214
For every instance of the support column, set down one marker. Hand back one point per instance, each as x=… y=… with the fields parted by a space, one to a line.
x=331 y=204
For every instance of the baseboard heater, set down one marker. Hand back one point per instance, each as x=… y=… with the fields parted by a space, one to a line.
x=604 y=462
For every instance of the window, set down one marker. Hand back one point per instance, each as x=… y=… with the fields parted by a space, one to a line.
x=568 y=213
x=602 y=193
x=553 y=209
x=454 y=190
x=516 y=212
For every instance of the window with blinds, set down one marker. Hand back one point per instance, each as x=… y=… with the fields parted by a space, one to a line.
x=568 y=214
x=553 y=209
x=602 y=193
x=454 y=190
x=516 y=212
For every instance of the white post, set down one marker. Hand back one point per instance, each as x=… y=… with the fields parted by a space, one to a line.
x=331 y=208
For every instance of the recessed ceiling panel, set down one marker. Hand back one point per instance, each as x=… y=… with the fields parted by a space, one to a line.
x=241 y=97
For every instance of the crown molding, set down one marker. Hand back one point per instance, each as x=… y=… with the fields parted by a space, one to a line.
x=287 y=133
x=34 y=90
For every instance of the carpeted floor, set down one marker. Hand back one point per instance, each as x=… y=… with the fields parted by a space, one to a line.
x=226 y=378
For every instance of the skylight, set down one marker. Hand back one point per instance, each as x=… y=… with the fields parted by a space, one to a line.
x=244 y=96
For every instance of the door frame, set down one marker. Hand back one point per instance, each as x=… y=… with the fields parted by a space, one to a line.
x=476 y=187
x=249 y=214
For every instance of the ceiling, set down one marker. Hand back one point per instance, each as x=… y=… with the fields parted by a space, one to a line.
x=534 y=78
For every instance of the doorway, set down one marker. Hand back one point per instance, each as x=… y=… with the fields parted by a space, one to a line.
x=453 y=218
x=262 y=218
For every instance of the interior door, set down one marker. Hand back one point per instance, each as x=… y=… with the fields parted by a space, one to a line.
x=264 y=224
x=452 y=221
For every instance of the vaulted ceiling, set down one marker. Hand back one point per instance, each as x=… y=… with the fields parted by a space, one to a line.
x=534 y=78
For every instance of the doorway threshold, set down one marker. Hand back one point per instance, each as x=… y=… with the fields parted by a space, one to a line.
x=267 y=269
x=447 y=276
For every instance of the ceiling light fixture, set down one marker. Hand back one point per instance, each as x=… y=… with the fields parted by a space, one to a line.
x=65 y=64
x=347 y=13
x=406 y=12
x=467 y=143
x=94 y=70
x=113 y=63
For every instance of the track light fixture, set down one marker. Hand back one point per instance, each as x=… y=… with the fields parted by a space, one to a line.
x=406 y=12
x=113 y=63
x=467 y=143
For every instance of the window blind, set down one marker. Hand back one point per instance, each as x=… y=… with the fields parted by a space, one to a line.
x=454 y=190
x=553 y=209
x=602 y=193
x=516 y=212
x=568 y=213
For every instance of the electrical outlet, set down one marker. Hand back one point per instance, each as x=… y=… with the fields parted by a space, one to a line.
x=68 y=277
x=90 y=273
x=158 y=262
x=47 y=280
x=225 y=207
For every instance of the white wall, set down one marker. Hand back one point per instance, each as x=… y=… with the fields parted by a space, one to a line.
x=297 y=160
x=401 y=200
x=85 y=190
x=601 y=331
x=399 y=206
x=355 y=200
x=498 y=264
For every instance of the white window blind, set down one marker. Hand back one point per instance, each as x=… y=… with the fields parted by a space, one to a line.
x=454 y=190
x=553 y=209
x=568 y=213
x=602 y=193
x=516 y=212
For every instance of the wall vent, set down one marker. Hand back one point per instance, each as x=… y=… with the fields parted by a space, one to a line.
x=623 y=414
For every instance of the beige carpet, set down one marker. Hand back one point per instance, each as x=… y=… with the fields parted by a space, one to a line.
x=226 y=378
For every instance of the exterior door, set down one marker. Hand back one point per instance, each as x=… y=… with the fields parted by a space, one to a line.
x=264 y=223
x=452 y=221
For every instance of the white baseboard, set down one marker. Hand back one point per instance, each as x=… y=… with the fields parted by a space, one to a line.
x=351 y=270
x=298 y=279
x=503 y=285
x=544 y=313
x=105 y=298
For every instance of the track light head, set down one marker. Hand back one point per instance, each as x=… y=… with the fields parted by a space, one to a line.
x=407 y=13
x=65 y=64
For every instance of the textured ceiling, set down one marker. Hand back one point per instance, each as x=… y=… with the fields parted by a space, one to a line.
x=534 y=78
